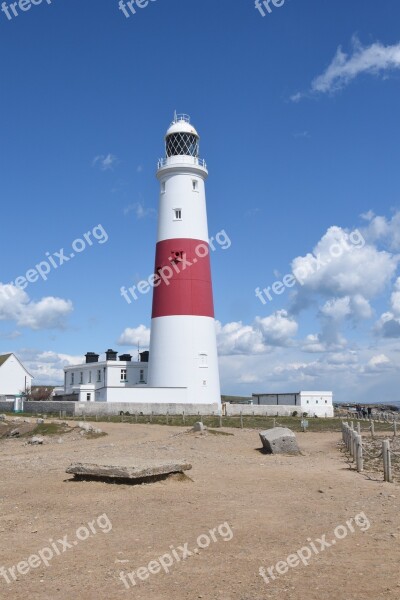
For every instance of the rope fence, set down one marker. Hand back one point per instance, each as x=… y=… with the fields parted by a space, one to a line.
x=359 y=452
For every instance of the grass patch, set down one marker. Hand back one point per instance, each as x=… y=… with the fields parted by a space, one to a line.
x=44 y=429
x=218 y=432
x=92 y=435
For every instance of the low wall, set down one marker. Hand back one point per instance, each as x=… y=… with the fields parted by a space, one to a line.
x=277 y=410
x=36 y=408
x=114 y=408
x=232 y=410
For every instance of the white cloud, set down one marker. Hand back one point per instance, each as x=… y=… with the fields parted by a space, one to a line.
x=377 y=364
x=383 y=230
x=338 y=268
x=134 y=336
x=388 y=325
x=259 y=338
x=47 y=313
x=278 y=329
x=47 y=366
x=140 y=210
x=236 y=338
x=105 y=162
x=375 y=59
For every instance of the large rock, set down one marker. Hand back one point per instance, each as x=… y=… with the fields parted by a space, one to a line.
x=279 y=440
x=199 y=426
x=36 y=440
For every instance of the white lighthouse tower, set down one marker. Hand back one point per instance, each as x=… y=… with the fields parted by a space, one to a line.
x=183 y=348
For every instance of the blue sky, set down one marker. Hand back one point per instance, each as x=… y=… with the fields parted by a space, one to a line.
x=301 y=141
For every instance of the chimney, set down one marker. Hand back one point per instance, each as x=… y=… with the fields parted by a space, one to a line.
x=125 y=357
x=111 y=354
x=144 y=356
x=91 y=357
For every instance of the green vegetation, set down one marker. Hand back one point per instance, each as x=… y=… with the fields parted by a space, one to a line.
x=212 y=422
x=48 y=429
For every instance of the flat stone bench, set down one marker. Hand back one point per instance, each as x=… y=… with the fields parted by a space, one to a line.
x=140 y=472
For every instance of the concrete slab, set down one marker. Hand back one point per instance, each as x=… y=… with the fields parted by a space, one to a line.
x=140 y=471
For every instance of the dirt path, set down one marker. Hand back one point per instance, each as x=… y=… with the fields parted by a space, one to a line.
x=271 y=505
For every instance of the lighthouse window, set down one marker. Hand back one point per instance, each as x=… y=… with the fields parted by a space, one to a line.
x=176 y=256
x=203 y=360
x=163 y=185
x=195 y=185
x=182 y=144
x=178 y=214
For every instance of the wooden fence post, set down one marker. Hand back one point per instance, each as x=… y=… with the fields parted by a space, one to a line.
x=387 y=462
x=359 y=454
x=241 y=419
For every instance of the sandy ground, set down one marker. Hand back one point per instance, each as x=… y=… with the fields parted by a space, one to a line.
x=273 y=506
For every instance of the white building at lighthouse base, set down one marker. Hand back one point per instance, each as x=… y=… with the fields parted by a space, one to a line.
x=125 y=381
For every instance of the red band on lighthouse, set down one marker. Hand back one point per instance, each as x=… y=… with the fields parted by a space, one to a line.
x=182 y=283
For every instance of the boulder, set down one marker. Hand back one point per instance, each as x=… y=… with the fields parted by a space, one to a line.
x=279 y=440
x=85 y=426
x=199 y=427
x=2 y=417
x=36 y=441
x=14 y=433
x=40 y=421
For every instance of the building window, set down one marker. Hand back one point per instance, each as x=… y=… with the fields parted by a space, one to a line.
x=81 y=377
x=72 y=378
x=99 y=375
x=178 y=214
x=203 y=362
x=123 y=375
x=90 y=376
x=195 y=185
x=326 y=401
x=141 y=376
x=88 y=397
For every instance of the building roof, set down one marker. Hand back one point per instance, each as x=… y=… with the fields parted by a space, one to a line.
x=3 y=358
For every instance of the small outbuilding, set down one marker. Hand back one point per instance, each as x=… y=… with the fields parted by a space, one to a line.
x=315 y=403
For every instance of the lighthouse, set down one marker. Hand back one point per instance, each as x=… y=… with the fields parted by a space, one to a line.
x=183 y=348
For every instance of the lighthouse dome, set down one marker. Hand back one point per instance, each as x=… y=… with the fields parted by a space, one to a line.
x=182 y=138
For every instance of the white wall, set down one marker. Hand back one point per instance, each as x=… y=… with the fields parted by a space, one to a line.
x=12 y=378
x=145 y=395
x=280 y=410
